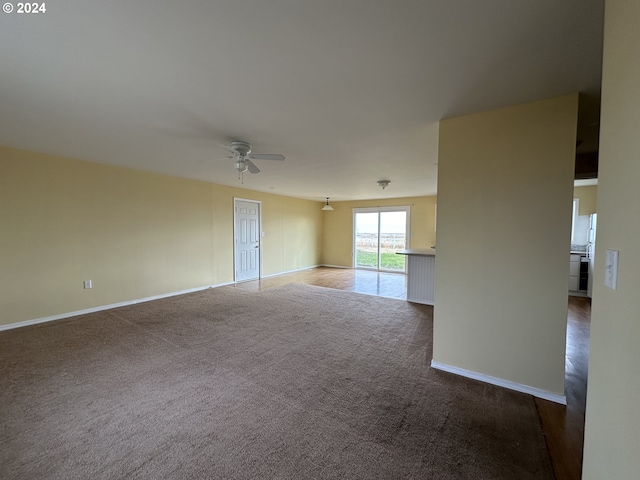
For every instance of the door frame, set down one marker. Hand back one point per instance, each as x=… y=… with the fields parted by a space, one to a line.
x=378 y=210
x=235 y=236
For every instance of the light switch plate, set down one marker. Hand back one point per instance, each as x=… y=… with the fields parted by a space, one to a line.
x=611 y=269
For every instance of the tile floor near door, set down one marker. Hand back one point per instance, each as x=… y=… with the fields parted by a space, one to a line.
x=563 y=426
x=383 y=284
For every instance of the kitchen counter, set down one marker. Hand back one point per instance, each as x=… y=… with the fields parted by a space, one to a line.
x=417 y=251
x=420 y=274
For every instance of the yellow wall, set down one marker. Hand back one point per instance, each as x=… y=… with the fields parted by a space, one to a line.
x=588 y=197
x=612 y=432
x=505 y=187
x=134 y=234
x=338 y=226
x=293 y=233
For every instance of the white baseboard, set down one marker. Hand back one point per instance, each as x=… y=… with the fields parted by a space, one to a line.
x=335 y=266
x=419 y=300
x=289 y=271
x=518 y=387
x=61 y=316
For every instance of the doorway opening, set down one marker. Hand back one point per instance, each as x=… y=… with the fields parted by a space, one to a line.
x=378 y=233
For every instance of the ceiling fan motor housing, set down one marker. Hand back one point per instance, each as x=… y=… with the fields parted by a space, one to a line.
x=240 y=147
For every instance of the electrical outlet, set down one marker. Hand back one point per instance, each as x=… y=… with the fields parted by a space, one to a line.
x=88 y=284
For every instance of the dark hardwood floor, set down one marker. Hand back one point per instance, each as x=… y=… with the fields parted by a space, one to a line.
x=563 y=426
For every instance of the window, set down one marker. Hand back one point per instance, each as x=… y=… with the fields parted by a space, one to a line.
x=378 y=234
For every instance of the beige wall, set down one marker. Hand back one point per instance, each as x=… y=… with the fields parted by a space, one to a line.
x=612 y=434
x=293 y=233
x=134 y=234
x=588 y=197
x=338 y=226
x=505 y=187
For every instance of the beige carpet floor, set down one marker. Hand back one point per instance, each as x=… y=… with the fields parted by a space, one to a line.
x=294 y=382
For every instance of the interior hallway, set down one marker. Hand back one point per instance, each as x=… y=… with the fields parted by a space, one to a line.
x=563 y=426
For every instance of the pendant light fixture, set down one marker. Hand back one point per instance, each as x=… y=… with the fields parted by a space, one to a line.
x=327 y=206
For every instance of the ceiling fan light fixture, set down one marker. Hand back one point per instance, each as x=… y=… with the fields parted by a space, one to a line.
x=383 y=183
x=327 y=206
x=243 y=156
x=241 y=165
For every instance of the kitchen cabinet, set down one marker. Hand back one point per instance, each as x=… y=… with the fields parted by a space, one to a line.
x=578 y=272
x=420 y=274
x=574 y=272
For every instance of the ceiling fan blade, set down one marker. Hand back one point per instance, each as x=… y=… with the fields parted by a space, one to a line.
x=226 y=147
x=252 y=167
x=266 y=156
x=216 y=159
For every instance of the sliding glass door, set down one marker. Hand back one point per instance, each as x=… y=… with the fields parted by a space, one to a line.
x=378 y=234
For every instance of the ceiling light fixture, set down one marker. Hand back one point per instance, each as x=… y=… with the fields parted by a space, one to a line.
x=327 y=206
x=241 y=165
x=383 y=183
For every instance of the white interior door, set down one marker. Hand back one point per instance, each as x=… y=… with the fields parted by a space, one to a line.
x=247 y=240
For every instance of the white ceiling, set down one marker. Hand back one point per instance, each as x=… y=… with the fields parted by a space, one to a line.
x=351 y=91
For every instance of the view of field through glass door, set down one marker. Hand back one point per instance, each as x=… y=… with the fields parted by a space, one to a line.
x=379 y=234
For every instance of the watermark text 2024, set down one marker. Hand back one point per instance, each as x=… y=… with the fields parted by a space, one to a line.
x=20 y=7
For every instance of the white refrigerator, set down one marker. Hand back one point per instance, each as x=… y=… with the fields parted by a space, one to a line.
x=591 y=250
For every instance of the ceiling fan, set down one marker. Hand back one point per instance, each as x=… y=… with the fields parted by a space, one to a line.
x=243 y=156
